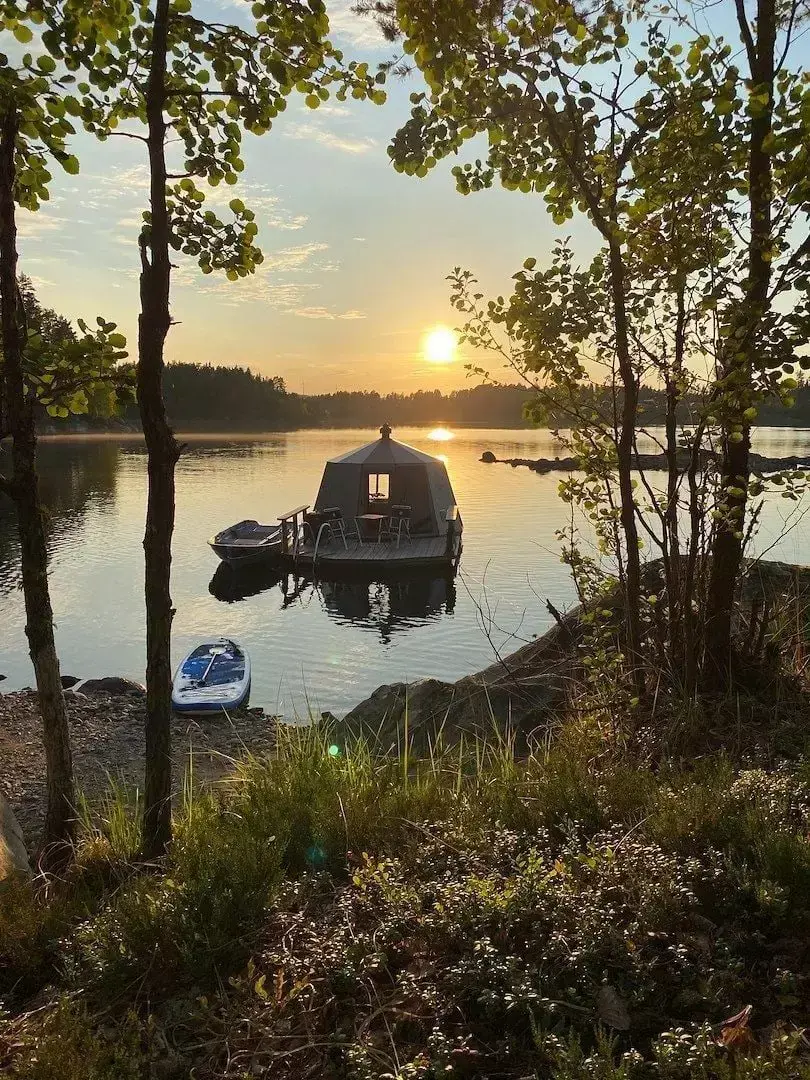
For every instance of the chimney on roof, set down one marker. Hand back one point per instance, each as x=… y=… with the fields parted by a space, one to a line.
x=385 y=431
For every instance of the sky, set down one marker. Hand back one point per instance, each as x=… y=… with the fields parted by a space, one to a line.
x=356 y=255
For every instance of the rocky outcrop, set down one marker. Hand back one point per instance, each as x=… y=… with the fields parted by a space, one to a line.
x=13 y=854
x=112 y=685
x=760 y=464
x=518 y=695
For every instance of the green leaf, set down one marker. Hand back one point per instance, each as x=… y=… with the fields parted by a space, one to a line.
x=70 y=164
x=23 y=33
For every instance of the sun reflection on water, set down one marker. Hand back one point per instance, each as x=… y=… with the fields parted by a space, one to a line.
x=441 y=434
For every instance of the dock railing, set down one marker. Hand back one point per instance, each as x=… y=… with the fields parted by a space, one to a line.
x=291 y=529
x=452 y=519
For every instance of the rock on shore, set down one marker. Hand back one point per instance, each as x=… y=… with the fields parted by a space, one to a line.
x=113 y=685
x=517 y=694
x=521 y=693
x=13 y=855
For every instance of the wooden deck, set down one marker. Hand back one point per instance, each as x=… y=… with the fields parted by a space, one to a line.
x=421 y=551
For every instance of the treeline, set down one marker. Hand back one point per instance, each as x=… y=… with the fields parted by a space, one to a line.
x=481 y=406
x=203 y=397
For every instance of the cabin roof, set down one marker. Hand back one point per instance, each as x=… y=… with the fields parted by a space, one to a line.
x=385 y=451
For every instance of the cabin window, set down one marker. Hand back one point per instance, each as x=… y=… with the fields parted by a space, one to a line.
x=378 y=487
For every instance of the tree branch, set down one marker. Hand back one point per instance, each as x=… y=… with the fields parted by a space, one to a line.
x=127 y=135
x=745 y=33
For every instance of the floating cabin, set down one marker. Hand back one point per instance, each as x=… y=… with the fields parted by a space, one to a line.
x=384 y=508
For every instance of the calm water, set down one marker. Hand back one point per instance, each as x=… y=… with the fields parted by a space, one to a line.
x=326 y=645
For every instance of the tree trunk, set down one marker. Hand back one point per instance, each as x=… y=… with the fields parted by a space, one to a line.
x=24 y=490
x=739 y=356
x=162 y=453
x=627 y=435
x=672 y=556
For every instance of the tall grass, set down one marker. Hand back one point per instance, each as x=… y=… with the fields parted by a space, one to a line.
x=318 y=824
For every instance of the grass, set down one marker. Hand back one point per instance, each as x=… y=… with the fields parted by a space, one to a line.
x=330 y=914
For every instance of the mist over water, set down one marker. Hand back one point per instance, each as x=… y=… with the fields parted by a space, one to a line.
x=319 y=647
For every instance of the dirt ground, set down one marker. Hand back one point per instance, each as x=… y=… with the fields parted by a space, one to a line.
x=107 y=736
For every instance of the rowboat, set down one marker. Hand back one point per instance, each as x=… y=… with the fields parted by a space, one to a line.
x=247 y=543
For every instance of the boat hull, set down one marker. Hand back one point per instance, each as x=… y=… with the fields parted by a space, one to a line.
x=247 y=543
x=235 y=556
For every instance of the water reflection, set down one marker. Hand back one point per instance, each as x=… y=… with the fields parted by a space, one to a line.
x=387 y=607
x=78 y=480
x=230 y=585
x=384 y=607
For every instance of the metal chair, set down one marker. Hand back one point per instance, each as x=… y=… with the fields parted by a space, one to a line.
x=399 y=522
x=327 y=523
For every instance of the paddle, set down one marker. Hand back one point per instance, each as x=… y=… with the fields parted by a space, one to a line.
x=217 y=650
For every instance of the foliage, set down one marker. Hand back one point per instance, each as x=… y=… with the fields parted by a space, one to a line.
x=223 y=79
x=71 y=374
x=690 y=172
x=353 y=916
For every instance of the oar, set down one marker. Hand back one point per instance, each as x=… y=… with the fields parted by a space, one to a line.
x=215 y=652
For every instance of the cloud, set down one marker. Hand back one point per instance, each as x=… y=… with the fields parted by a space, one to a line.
x=258 y=288
x=331 y=139
x=333 y=110
x=343 y=23
x=120 y=181
x=325 y=313
x=293 y=257
x=360 y=30
x=261 y=200
x=131 y=221
x=34 y=226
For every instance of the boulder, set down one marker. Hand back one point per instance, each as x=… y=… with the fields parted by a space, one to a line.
x=3 y=678
x=517 y=696
x=112 y=685
x=13 y=855
x=69 y=681
x=488 y=457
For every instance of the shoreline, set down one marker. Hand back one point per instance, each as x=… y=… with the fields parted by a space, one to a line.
x=107 y=741
x=269 y=433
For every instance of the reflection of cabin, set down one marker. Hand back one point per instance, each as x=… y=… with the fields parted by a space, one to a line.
x=365 y=492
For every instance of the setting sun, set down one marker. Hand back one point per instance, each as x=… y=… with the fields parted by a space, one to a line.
x=440 y=345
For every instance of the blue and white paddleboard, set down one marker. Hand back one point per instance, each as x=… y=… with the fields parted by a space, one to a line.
x=213 y=676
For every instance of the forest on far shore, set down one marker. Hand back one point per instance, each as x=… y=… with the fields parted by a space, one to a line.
x=202 y=397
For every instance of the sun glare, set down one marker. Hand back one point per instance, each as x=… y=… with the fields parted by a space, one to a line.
x=440 y=434
x=440 y=345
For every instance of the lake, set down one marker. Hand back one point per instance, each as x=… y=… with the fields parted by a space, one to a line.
x=313 y=646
